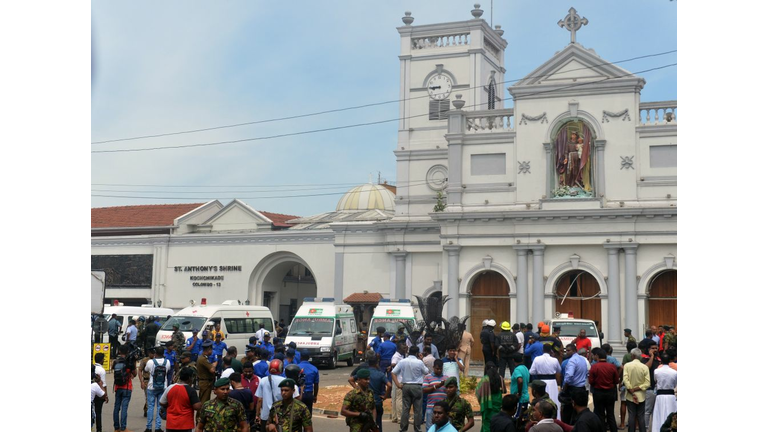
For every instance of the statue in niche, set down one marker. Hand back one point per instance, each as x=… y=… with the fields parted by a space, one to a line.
x=573 y=150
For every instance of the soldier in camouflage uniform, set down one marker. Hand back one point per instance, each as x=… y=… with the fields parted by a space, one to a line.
x=289 y=414
x=628 y=335
x=178 y=342
x=359 y=406
x=222 y=413
x=538 y=390
x=186 y=362
x=459 y=410
x=670 y=339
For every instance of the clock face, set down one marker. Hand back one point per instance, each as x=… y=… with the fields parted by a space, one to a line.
x=439 y=87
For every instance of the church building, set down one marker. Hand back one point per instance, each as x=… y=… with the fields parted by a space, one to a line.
x=557 y=194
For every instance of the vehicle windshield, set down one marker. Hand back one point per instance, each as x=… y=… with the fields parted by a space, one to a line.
x=310 y=326
x=390 y=324
x=572 y=329
x=186 y=323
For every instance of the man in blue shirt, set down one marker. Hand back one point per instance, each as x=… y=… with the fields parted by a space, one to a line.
x=386 y=350
x=408 y=375
x=267 y=345
x=428 y=342
x=194 y=345
x=298 y=352
x=534 y=349
x=575 y=378
x=261 y=367
x=170 y=355
x=113 y=329
x=311 y=382
x=219 y=349
x=290 y=357
x=374 y=345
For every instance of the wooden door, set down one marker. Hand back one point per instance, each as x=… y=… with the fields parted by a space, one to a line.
x=490 y=300
x=577 y=292
x=662 y=299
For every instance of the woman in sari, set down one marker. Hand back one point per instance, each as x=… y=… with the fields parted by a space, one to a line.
x=489 y=393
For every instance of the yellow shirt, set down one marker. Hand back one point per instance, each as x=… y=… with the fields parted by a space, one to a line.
x=212 y=334
x=636 y=374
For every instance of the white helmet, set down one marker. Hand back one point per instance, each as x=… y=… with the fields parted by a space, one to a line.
x=492 y=323
x=485 y=323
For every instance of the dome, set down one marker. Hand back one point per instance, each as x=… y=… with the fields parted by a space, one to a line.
x=367 y=197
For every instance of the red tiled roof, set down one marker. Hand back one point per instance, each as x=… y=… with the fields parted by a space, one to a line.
x=279 y=219
x=363 y=298
x=139 y=215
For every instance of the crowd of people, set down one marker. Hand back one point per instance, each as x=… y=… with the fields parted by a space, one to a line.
x=549 y=388
x=272 y=387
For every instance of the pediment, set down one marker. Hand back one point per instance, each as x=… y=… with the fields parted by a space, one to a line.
x=238 y=216
x=573 y=65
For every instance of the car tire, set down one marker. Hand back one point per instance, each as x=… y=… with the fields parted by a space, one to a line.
x=334 y=361
x=351 y=360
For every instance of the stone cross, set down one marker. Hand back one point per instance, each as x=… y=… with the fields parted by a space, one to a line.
x=573 y=23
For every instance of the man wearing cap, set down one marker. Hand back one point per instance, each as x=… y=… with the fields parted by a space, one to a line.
x=261 y=367
x=508 y=345
x=206 y=372
x=267 y=345
x=131 y=333
x=386 y=350
x=185 y=362
x=459 y=410
x=269 y=391
x=359 y=405
x=219 y=349
x=194 y=345
x=170 y=355
x=179 y=342
x=376 y=341
x=548 y=339
x=311 y=382
x=291 y=414
x=533 y=416
x=290 y=357
x=488 y=341
x=546 y=368
x=222 y=413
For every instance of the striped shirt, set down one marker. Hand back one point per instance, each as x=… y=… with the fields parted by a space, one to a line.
x=438 y=394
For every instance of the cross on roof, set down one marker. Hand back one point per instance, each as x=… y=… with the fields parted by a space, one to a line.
x=573 y=23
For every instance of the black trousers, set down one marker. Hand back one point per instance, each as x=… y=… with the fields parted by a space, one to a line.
x=489 y=357
x=604 y=401
x=309 y=400
x=98 y=403
x=505 y=363
x=567 y=413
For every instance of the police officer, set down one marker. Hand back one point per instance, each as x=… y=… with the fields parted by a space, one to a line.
x=374 y=345
x=311 y=382
x=113 y=330
x=290 y=414
x=267 y=345
x=488 y=340
x=194 y=345
x=151 y=327
x=206 y=372
x=186 y=362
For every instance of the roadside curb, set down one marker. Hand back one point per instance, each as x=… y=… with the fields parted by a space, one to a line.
x=320 y=411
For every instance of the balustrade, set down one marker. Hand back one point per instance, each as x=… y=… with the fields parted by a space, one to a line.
x=459 y=39
x=490 y=121
x=658 y=113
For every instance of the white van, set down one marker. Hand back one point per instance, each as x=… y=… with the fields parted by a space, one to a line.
x=238 y=322
x=327 y=330
x=390 y=313
x=570 y=328
x=125 y=313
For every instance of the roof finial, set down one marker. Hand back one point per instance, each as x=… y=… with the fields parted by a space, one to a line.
x=573 y=23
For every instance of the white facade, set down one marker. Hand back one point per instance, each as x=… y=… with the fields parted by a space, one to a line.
x=507 y=222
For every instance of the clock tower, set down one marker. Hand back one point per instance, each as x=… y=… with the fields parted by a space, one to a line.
x=440 y=64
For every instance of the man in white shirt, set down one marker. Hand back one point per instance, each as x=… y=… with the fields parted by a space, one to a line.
x=260 y=333
x=227 y=367
x=408 y=375
x=154 y=392
x=97 y=391
x=546 y=368
x=99 y=403
x=520 y=338
x=269 y=390
x=666 y=400
x=397 y=395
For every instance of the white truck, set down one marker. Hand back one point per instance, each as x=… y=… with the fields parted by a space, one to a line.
x=570 y=328
x=390 y=314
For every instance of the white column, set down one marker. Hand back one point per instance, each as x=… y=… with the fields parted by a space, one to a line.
x=452 y=307
x=522 y=284
x=538 y=283
x=338 y=278
x=614 y=296
x=630 y=285
x=400 y=274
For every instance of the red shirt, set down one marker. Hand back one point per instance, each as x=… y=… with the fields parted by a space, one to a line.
x=603 y=376
x=583 y=343
x=180 y=414
x=252 y=384
x=130 y=372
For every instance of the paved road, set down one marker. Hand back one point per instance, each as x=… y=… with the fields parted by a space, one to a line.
x=137 y=422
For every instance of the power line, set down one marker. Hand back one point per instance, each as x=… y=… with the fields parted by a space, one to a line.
x=357 y=106
x=359 y=124
x=404 y=186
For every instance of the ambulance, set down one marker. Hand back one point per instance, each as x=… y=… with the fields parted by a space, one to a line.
x=570 y=328
x=126 y=313
x=326 y=330
x=238 y=322
x=390 y=313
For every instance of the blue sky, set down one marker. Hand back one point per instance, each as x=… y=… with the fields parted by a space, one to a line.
x=162 y=67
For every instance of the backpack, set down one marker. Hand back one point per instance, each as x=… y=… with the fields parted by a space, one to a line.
x=158 y=375
x=120 y=372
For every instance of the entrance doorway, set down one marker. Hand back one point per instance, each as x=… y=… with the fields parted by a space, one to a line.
x=578 y=292
x=662 y=299
x=285 y=287
x=490 y=300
